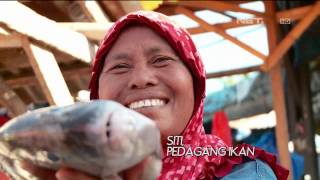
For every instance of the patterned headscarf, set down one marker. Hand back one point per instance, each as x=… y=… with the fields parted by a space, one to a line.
x=192 y=167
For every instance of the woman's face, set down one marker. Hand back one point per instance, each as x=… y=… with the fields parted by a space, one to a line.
x=143 y=72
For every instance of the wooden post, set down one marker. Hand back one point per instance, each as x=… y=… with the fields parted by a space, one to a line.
x=48 y=74
x=310 y=155
x=11 y=100
x=281 y=117
x=278 y=92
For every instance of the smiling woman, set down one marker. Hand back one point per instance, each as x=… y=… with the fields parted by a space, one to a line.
x=146 y=75
x=149 y=64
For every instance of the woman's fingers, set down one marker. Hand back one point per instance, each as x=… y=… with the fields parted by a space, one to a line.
x=70 y=174
x=62 y=174
x=135 y=172
x=41 y=173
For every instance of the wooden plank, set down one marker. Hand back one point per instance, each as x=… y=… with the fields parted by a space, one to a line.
x=10 y=100
x=278 y=92
x=48 y=74
x=275 y=57
x=220 y=31
x=218 y=6
x=233 y=72
x=93 y=11
x=13 y=15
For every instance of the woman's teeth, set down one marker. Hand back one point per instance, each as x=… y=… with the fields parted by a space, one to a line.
x=146 y=103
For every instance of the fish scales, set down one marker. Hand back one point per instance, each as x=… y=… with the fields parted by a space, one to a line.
x=99 y=137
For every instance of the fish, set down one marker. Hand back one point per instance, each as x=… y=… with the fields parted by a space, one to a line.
x=100 y=137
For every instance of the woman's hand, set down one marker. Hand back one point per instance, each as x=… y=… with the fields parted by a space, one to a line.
x=39 y=172
x=133 y=173
x=71 y=174
x=61 y=174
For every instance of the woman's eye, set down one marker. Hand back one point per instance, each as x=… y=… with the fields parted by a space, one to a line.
x=119 y=68
x=162 y=61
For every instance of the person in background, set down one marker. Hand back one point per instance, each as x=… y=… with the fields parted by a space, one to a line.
x=150 y=64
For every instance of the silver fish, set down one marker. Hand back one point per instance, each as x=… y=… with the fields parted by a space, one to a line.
x=99 y=137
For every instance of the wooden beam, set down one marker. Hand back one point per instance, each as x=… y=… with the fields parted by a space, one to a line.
x=31 y=94
x=4 y=32
x=275 y=57
x=233 y=72
x=278 y=99
x=220 y=31
x=10 y=100
x=93 y=11
x=218 y=6
x=131 y=6
x=10 y=41
x=294 y=13
x=96 y=31
x=227 y=25
x=14 y=59
x=27 y=80
x=92 y=30
x=291 y=14
x=48 y=74
x=13 y=16
x=113 y=8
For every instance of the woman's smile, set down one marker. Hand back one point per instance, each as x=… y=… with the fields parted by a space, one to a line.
x=147 y=103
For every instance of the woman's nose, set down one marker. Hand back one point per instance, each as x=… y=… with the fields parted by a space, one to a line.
x=142 y=77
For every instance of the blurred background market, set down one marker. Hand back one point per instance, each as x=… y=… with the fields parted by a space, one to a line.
x=262 y=61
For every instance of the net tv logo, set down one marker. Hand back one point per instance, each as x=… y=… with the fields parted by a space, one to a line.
x=260 y=20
